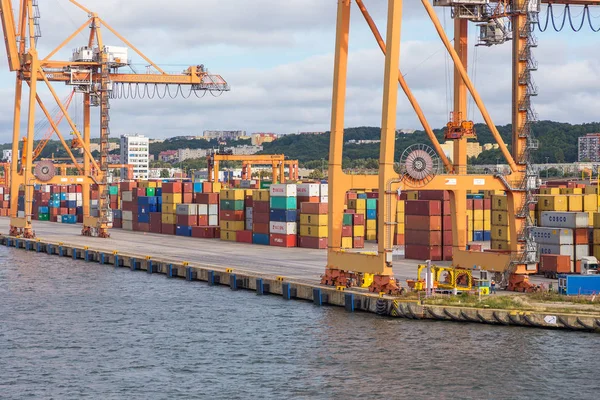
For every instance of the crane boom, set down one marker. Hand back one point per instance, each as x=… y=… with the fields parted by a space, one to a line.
x=40 y=146
x=10 y=36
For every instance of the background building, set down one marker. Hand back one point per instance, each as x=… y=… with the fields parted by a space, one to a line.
x=134 y=150
x=259 y=138
x=225 y=135
x=589 y=148
x=7 y=155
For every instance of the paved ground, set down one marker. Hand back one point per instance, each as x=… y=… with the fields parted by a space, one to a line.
x=297 y=263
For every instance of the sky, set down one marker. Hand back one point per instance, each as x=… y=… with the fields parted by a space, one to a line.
x=277 y=57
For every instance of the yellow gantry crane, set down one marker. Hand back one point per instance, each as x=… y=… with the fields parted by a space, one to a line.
x=419 y=166
x=94 y=70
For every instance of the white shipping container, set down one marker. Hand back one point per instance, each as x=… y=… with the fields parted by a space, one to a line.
x=79 y=203
x=324 y=190
x=249 y=212
x=213 y=220
x=127 y=215
x=582 y=250
x=59 y=218
x=283 y=190
x=249 y=224
x=552 y=235
x=308 y=190
x=324 y=199
x=79 y=196
x=245 y=184
x=202 y=209
x=559 y=219
x=45 y=188
x=128 y=225
x=20 y=214
x=186 y=209
x=283 y=228
x=7 y=197
x=127 y=196
x=564 y=250
x=71 y=196
x=213 y=209
x=1 y=190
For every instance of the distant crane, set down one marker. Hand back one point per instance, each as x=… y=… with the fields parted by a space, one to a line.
x=94 y=71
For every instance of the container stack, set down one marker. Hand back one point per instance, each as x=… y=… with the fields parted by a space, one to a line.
x=261 y=217
x=172 y=195
x=127 y=208
x=358 y=231
x=399 y=239
x=313 y=225
x=283 y=215
x=357 y=205
x=595 y=242
x=308 y=193
x=41 y=201
x=568 y=235
x=423 y=230
x=347 y=225
x=186 y=217
x=371 y=216
x=500 y=237
x=232 y=215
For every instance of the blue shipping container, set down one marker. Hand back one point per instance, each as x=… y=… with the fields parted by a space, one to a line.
x=118 y=214
x=69 y=219
x=145 y=200
x=71 y=203
x=487 y=236
x=144 y=218
x=143 y=210
x=578 y=284
x=197 y=187
x=260 y=238
x=55 y=196
x=63 y=197
x=478 y=236
x=158 y=193
x=43 y=210
x=80 y=210
x=182 y=230
x=362 y=196
x=371 y=214
x=153 y=208
x=159 y=199
x=283 y=215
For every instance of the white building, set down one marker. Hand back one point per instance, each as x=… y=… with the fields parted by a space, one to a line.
x=187 y=154
x=244 y=150
x=7 y=155
x=225 y=135
x=134 y=150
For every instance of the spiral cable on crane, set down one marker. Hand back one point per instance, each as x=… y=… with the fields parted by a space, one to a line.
x=142 y=91
x=567 y=16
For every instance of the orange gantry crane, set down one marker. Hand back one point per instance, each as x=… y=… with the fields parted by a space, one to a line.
x=426 y=168
x=276 y=161
x=95 y=70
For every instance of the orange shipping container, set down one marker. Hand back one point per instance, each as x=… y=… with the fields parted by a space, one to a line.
x=423 y=223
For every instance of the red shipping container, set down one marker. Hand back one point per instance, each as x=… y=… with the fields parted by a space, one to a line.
x=372 y=195
x=187 y=220
x=351 y=195
x=243 y=237
x=53 y=211
x=403 y=196
x=447 y=238
x=117 y=223
x=314 y=208
x=248 y=202
x=413 y=252
x=475 y=247
x=228 y=215
x=434 y=195
x=551 y=264
x=447 y=253
x=208 y=198
x=261 y=207
x=135 y=226
x=187 y=187
x=423 y=207
x=423 y=223
x=172 y=187
x=72 y=211
x=261 y=218
x=358 y=219
x=308 y=199
x=207 y=187
x=168 y=229
x=477 y=204
x=446 y=209
x=426 y=238
x=139 y=192
x=258 y=227
x=64 y=211
x=581 y=236
x=127 y=186
x=399 y=240
x=346 y=231
x=142 y=227
x=187 y=198
x=487 y=204
x=204 y=232
x=156 y=228
x=313 y=242
x=358 y=242
x=202 y=220
x=447 y=223
x=469 y=204
x=283 y=240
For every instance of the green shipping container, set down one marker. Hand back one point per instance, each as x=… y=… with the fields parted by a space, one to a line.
x=347 y=220
x=43 y=217
x=113 y=190
x=284 y=203
x=265 y=184
x=371 y=204
x=150 y=192
x=232 y=205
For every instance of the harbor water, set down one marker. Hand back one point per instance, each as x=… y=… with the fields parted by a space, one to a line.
x=71 y=330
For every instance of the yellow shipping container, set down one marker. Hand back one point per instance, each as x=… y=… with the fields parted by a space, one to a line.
x=552 y=202
x=597 y=251
x=399 y=229
x=549 y=191
x=566 y=191
x=499 y=203
x=590 y=202
x=260 y=195
x=313 y=231
x=590 y=218
x=143 y=184
x=347 y=243
x=487 y=215
x=500 y=245
x=230 y=236
x=171 y=198
x=487 y=194
x=400 y=206
x=500 y=233
x=313 y=219
x=371 y=235
x=168 y=218
x=575 y=202
x=596 y=220
x=216 y=186
x=470 y=215
x=478 y=215
x=363 y=212
x=232 y=194
x=232 y=225
x=596 y=239
x=169 y=208
x=412 y=195
x=357 y=204
x=358 y=231
x=478 y=226
x=470 y=225
x=372 y=224
x=487 y=225
x=591 y=190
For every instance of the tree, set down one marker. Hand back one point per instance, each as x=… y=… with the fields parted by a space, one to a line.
x=164 y=173
x=316 y=174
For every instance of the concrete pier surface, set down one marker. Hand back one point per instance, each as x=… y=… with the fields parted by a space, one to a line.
x=294 y=263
